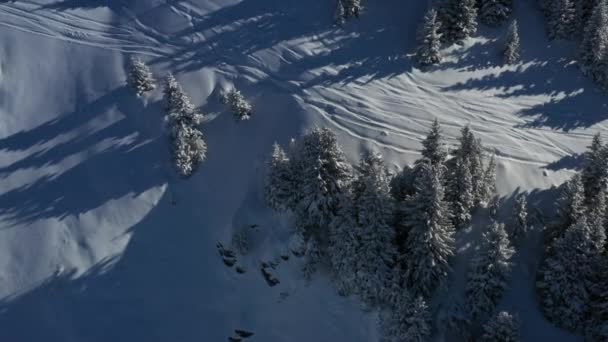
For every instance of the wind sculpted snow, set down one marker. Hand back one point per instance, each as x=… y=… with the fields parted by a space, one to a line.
x=99 y=240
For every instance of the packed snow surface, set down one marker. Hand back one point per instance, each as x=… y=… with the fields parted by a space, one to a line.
x=100 y=241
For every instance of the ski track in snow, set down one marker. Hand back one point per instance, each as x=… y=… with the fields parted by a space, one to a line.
x=392 y=111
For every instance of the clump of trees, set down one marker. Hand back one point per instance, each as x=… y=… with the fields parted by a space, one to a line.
x=571 y=281
x=387 y=239
x=183 y=120
x=585 y=21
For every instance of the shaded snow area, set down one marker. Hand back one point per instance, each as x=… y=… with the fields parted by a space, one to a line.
x=100 y=240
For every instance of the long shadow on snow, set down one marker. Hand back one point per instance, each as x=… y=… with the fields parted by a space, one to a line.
x=122 y=158
x=574 y=100
x=169 y=283
x=233 y=33
x=363 y=47
x=88 y=4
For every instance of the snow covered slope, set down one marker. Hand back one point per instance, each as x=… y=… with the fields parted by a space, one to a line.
x=100 y=241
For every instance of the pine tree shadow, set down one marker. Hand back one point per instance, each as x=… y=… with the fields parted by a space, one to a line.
x=570 y=162
x=103 y=150
x=157 y=290
x=88 y=4
x=362 y=47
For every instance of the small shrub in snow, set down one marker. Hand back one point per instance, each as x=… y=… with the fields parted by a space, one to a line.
x=504 y=327
x=238 y=105
x=511 y=52
x=140 y=77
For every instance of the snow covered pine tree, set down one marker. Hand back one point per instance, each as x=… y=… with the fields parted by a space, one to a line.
x=458 y=19
x=430 y=242
x=563 y=278
x=429 y=40
x=280 y=182
x=488 y=276
x=503 y=327
x=373 y=208
x=237 y=104
x=511 y=53
x=494 y=12
x=187 y=145
x=140 y=77
x=409 y=320
x=520 y=222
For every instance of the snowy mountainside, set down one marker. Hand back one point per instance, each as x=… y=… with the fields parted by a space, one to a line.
x=101 y=241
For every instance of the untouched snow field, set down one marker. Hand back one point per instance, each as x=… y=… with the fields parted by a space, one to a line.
x=100 y=241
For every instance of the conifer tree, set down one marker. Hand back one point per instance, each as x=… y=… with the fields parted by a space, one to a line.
x=594 y=47
x=187 y=144
x=429 y=40
x=280 y=182
x=410 y=320
x=469 y=151
x=430 y=242
x=511 y=53
x=461 y=198
x=346 y=9
x=584 y=11
x=373 y=207
x=488 y=276
x=503 y=327
x=595 y=172
x=598 y=321
x=597 y=222
x=570 y=204
x=323 y=177
x=343 y=246
x=489 y=182
x=561 y=21
x=240 y=108
x=563 y=278
x=520 y=222
x=140 y=77
x=340 y=14
x=433 y=146
x=459 y=19
x=495 y=12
